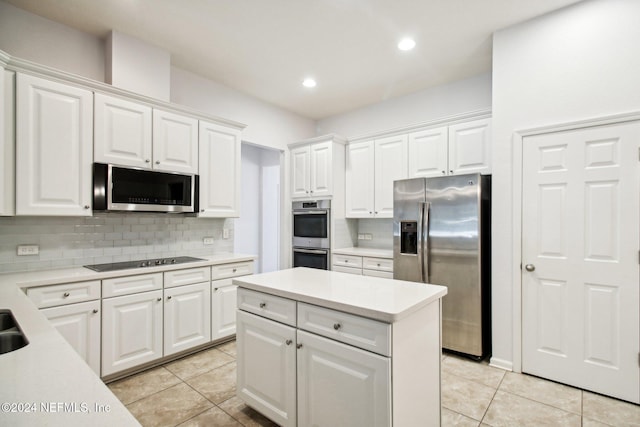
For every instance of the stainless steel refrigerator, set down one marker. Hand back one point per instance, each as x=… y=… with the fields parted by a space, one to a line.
x=442 y=235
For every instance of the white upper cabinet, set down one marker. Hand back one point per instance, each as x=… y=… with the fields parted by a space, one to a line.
x=122 y=132
x=428 y=152
x=470 y=147
x=7 y=143
x=451 y=150
x=175 y=142
x=128 y=133
x=391 y=164
x=219 y=165
x=360 y=179
x=54 y=148
x=313 y=165
x=372 y=166
x=300 y=172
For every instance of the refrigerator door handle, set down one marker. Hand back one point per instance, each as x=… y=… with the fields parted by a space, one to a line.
x=423 y=251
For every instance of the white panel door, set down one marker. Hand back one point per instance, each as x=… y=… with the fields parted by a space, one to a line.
x=355 y=384
x=470 y=147
x=187 y=317
x=300 y=171
x=54 y=148
x=392 y=163
x=428 y=153
x=321 y=170
x=131 y=331
x=220 y=171
x=175 y=142
x=7 y=143
x=79 y=324
x=122 y=132
x=580 y=236
x=224 y=300
x=266 y=367
x=359 y=192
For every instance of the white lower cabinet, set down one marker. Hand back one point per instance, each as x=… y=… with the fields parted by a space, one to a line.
x=187 y=317
x=131 y=330
x=340 y=385
x=79 y=324
x=283 y=369
x=266 y=367
x=223 y=308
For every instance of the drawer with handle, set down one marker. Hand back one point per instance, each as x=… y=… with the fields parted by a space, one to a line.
x=131 y=284
x=272 y=307
x=347 y=260
x=66 y=293
x=188 y=276
x=367 y=334
x=381 y=264
x=224 y=271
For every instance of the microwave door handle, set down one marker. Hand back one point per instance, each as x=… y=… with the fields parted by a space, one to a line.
x=423 y=251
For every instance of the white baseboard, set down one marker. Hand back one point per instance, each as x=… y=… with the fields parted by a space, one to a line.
x=507 y=365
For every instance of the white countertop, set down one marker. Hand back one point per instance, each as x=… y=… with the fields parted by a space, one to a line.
x=386 y=300
x=47 y=374
x=368 y=252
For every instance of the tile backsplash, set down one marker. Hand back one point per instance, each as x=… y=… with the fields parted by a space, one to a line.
x=381 y=230
x=108 y=237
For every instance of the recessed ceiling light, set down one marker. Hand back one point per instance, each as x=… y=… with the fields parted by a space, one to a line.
x=406 y=44
x=309 y=82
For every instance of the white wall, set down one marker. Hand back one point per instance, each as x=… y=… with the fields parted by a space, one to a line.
x=577 y=63
x=41 y=40
x=442 y=101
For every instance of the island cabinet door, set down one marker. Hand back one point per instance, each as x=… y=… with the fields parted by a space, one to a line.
x=266 y=367
x=340 y=385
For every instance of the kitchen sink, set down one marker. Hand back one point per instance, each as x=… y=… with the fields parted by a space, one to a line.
x=11 y=336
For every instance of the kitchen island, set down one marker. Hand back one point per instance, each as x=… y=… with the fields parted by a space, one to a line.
x=325 y=348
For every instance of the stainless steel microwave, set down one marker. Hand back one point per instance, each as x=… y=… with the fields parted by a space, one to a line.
x=119 y=188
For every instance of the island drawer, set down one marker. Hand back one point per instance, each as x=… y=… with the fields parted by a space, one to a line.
x=381 y=264
x=270 y=306
x=378 y=273
x=66 y=293
x=347 y=260
x=367 y=334
x=131 y=285
x=224 y=271
x=349 y=270
x=186 y=277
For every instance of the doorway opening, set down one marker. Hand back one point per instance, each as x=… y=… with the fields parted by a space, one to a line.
x=257 y=231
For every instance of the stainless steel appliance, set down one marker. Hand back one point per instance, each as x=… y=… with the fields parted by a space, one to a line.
x=312 y=234
x=117 y=188
x=441 y=235
x=125 y=265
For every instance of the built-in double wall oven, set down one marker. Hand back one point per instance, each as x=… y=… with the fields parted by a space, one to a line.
x=312 y=234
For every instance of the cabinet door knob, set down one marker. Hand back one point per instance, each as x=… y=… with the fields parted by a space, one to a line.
x=87 y=207
x=444 y=172
x=157 y=162
x=147 y=160
x=337 y=326
x=346 y=261
x=235 y=269
x=169 y=297
x=263 y=304
x=299 y=346
x=159 y=299
x=451 y=171
x=215 y=289
x=288 y=342
x=530 y=267
x=311 y=191
x=66 y=295
x=378 y=264
x=201 y=210
x=95 y=310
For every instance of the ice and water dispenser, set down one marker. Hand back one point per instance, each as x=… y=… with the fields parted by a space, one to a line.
x=409 y=237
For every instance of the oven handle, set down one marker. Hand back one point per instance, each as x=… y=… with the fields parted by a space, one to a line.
x=309 y=212
x=312 y=251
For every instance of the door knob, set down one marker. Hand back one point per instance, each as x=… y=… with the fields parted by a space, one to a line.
x=530 y=267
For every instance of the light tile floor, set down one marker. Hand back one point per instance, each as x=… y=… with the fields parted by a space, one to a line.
x=199 y=390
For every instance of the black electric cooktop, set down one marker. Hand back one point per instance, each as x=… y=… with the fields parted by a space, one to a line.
x=125 y=265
